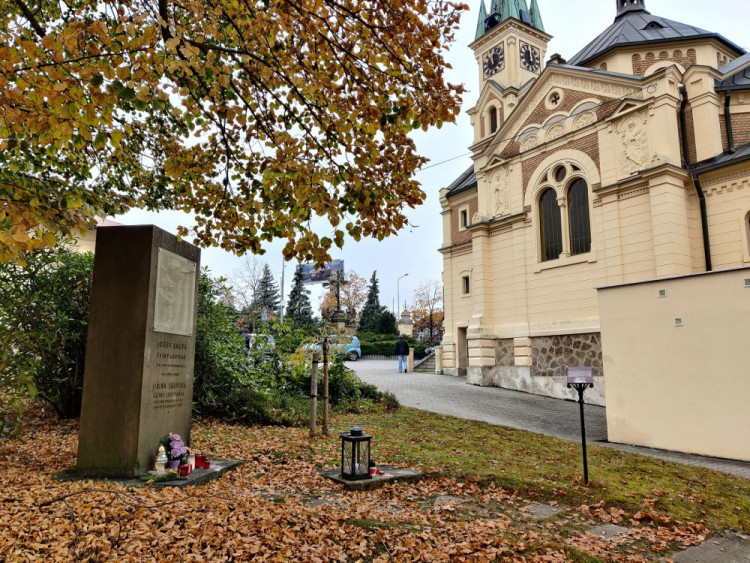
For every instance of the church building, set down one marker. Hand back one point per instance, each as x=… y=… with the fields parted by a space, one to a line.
x=628 y=162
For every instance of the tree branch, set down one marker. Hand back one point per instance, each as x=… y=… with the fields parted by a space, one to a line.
x=27 y=13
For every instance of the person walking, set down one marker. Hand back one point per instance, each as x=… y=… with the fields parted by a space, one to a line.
x=402 y=351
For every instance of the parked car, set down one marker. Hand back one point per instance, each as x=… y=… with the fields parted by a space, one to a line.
x=264 y=342
x=340 y=345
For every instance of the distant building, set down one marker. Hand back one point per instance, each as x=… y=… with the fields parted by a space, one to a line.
x=629 y=162
x=87 y=243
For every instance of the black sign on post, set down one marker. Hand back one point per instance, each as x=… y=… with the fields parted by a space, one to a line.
x=579 y=378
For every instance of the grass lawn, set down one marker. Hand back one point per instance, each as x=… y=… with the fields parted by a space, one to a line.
x=472 y=505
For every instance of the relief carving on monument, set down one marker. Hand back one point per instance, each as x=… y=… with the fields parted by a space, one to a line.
x=634 y=154
x=500 y=184
x=174 y=305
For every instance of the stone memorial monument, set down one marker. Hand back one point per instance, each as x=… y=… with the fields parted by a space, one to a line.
x=138 y=382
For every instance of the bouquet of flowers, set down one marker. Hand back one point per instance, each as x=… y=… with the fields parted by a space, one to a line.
x=174 y=446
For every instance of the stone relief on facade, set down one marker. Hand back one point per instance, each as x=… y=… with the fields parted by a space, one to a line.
x=500 y=185
x=584 y=119
x=529 y=143
x=555 y=132
x=634 y=154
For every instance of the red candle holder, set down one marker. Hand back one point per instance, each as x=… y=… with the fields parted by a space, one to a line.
x=198 y=461
x=206 y=464
x=184 y=469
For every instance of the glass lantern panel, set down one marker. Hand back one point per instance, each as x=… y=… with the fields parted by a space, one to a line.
x=362 y=461
x=346 y=458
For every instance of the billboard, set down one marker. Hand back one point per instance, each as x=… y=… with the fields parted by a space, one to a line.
x=311 y=274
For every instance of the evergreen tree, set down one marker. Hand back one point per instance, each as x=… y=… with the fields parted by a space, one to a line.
x=373 y=311
x=267 y=296
x=298 y=309
x=386 y=322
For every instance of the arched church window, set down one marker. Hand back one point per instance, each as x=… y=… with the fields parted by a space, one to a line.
x=550 y=224
x=493 y=119
x=578 y=217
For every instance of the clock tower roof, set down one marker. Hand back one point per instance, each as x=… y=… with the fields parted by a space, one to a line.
x=502 y=10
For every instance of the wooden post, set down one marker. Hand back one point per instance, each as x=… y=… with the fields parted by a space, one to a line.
x=314 y=394
x=325 y=386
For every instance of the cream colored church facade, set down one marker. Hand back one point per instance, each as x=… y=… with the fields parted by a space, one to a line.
x=629 y=162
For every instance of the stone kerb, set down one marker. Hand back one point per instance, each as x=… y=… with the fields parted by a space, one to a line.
x=138 y=382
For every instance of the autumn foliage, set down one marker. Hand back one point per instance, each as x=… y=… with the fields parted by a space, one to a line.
x=276 y=507
x=254 y=116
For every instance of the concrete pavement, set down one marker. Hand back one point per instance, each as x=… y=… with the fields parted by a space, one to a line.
x=449 y=395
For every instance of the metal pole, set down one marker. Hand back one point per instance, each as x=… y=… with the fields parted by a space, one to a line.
x=580 y=388
x=314 y=394
x=398 y=296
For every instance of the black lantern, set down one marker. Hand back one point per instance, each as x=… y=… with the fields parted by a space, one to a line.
x=355 y=454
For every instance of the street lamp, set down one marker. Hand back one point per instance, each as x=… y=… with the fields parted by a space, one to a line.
x=398 y=297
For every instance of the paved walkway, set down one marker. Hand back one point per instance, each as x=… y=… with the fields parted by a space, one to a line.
x=449 y=395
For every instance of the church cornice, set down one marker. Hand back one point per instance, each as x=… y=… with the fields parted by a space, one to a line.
x=457 y=249
x=637 y=181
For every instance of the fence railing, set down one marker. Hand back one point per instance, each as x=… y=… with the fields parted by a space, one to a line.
x=379 y=357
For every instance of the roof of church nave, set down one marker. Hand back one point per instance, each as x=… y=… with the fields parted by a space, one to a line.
x=634 y=25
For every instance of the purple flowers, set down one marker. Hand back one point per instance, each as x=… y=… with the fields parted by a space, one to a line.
x=177 y=448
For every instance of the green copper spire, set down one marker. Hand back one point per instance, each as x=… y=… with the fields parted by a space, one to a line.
x=480 y=21
x=513 y=11
x=496 y=7
x=536 y=16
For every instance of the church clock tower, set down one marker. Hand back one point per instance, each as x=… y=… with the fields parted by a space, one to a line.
x=510 y=43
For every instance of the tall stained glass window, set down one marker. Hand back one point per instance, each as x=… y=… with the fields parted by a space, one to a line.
x=578 y=217
x=551 y=227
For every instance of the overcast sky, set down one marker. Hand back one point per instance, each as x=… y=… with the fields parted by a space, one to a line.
x=573 y=24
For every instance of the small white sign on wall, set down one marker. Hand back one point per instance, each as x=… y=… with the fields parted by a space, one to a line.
x=580 y=375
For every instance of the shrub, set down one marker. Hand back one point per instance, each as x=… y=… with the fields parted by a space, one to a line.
x=44 y=312
x=384 y=344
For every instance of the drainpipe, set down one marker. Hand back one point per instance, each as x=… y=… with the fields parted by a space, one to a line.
x=728 y=120
x=696 y=181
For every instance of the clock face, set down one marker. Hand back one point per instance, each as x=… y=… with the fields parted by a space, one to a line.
x=493 y=61
x=530 y=58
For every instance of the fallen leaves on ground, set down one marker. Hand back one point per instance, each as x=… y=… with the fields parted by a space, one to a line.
x=263 y=511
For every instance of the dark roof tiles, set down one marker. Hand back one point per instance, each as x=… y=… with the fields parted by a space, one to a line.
x=739 y=80
x=638 y=28
x=465 y=181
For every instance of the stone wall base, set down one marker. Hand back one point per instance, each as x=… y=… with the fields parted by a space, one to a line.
x=519 y=378
x=451 y=371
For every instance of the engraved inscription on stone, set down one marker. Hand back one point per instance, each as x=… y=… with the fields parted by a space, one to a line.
x=175 y=294
x=168 y=387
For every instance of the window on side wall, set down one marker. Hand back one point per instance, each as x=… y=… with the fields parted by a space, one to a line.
x=466 y=285
x=550 y=225
x=579 y=224
x=563 y=232
x=463 y=217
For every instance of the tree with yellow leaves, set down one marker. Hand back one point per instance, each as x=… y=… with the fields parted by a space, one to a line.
x=427 y=310
x=352 y=296
x=256 y=116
